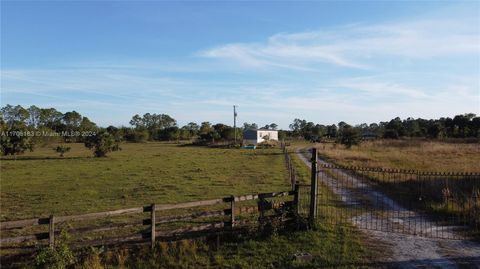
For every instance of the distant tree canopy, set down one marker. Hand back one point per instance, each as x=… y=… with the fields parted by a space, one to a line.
x=73 y=127
x=460 y=126
x=23 y=127
x=14 y=138
x=271 y=126
x=48 y=120
x=247 y=126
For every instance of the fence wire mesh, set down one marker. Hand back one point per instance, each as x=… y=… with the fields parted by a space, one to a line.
x=436 y=205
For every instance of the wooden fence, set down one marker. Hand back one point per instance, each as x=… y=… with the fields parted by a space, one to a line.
x=231 y=217
x=151 y=223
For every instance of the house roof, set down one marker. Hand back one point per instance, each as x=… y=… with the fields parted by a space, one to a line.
x=261 y=129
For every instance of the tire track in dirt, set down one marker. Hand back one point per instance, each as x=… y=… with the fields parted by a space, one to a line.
x=407 y=250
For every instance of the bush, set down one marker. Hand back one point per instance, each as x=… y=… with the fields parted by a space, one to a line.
x=61 y=149
x=390 y=134
x=349 y=136
x=102 y=143
x=137 y=136
x=59 y=257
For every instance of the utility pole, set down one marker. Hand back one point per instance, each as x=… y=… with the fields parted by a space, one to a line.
x=235 y=123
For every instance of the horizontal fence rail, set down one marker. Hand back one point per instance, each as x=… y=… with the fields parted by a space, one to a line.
x=149 y=229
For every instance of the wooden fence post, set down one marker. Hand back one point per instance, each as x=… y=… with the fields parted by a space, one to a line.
x=313 y=188
x=152 y=218
x=51 y=232
x=296 y=199
x=232 y=208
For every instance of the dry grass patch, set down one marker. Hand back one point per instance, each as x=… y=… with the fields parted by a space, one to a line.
x=407 y=154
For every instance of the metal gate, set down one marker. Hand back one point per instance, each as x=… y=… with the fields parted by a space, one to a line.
x=434 y=205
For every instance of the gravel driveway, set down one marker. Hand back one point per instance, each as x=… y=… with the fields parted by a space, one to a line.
x=407 y=250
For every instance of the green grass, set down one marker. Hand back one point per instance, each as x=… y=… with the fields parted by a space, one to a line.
x=41 y=183
x=330 y=248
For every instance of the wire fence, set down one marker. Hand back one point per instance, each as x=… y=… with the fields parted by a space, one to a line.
x=436 y=205
x=428 y=204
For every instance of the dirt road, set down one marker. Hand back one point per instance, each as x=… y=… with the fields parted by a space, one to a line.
x=407 y=250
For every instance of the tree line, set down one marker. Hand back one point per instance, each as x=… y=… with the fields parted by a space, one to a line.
x=23 y=128
x=460 y=126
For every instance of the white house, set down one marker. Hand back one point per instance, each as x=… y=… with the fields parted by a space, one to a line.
x=256 y=136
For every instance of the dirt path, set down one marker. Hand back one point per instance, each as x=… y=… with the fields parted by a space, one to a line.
x=408 y=251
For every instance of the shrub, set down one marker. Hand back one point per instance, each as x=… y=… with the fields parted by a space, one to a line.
x=390 y=134
x=134 y=135
x=59 y=257
x=61 y=149
x=349 y=136
x=102 y=143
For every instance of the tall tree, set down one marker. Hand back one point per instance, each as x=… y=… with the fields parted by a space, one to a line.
x=14 y=114
x=273 y=126
x=34 y=119
x=193 y=128
x=349 y=136
x=14 y=138
x=247 y=126
x=72 y=120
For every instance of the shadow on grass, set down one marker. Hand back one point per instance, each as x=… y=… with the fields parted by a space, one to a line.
x=461 y=262
x=29 y=158
x=258 y=151
x=206 y=145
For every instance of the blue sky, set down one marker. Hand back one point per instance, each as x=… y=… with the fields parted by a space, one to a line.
x=323 y=61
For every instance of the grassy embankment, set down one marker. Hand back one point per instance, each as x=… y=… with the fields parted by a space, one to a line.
x=40 y=183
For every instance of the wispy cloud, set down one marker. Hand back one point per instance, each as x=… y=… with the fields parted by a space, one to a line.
x=356 y=45
x=114 y=97
x=381 y=88
x=356 y=72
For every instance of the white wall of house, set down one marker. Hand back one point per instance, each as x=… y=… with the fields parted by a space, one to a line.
x=272 y=135
x=253 y=137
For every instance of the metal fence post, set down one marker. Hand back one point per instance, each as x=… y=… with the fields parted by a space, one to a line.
x=313 y=186
x=153 y=224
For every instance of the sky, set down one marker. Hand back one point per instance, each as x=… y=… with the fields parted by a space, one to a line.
x=323 y=61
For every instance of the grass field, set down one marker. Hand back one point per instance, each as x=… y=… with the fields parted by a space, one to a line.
x=331 y=246
x=334 y=248
x=407 y=154
x=40 y=183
